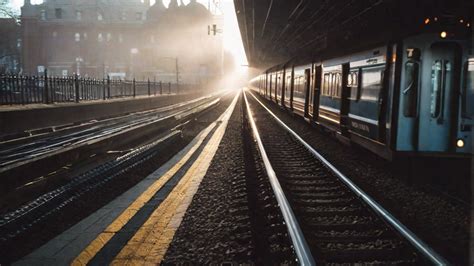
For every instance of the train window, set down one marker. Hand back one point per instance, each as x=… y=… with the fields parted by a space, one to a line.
x=410 y=90
x=325 y=91
x=288 y=86
x=352 y=79
x=436 y=88
x=300 y=89
x=371 y=83
x=338 y=85
x=332 y=84
x=468 y=97
x=353 y=84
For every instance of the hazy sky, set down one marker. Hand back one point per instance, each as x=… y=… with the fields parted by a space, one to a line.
x=232 y=38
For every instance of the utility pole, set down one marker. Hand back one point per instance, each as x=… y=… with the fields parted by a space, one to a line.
x=177 y=76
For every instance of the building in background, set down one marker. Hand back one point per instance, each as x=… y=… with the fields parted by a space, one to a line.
x=121 y=38
x=9 y=46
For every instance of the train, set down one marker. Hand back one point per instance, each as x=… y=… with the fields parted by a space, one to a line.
x=412 y=96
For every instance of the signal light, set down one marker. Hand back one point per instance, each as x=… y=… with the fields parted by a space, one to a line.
x=427 y=21
x=443 y=34
x=460 y=143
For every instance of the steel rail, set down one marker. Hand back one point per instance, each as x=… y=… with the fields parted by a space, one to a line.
x=299 y=242
x=419 y=244
x=77 y=138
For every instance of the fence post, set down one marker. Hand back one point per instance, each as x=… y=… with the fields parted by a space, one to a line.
x=154 y=86
x=45 y=87
x=76 y=87
x=161 y=87
x=104 y=87
x=134 y=89
x=169 y=87
x=149 y=89
x=108 y=87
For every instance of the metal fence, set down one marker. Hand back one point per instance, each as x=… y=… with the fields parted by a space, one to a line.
x=16 y=89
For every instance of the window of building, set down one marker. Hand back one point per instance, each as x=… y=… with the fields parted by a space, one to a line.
x=85 y=35
x=43 y=14
x=123 y=15
x=58 y=13
x=109 y=37
x=79 y=15
x=100 y=17
x=152 y=38
x=120 y=38
x=18 y=43
x=139 y=16
x=100 y=37
x=55 y=34
x=77 y=37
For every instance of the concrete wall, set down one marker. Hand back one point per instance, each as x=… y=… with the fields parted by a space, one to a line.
x=14 y=122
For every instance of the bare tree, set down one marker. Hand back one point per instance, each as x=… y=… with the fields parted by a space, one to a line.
x=7 y=11
x=9 y=32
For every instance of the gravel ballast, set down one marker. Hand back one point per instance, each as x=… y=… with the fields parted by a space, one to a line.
x=233 y=217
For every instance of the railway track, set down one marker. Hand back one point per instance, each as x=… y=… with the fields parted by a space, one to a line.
x=49 y=155
x=16 y=152
x=329 y=219
x=20 y=220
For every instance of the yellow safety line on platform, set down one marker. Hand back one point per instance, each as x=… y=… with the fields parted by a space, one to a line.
x=101 y=240
x=151 y=241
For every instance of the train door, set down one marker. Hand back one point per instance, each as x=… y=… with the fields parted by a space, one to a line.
x=277 y=87
x=266 y=85
x=311 y=92
x=270 y=87
x=307 y=88
x=438 y=99
x=345 y=101
x=292 y=86
x=283 y=87
x=318 y=72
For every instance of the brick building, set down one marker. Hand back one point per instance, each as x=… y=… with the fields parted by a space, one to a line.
x=9 y=46
x=121 y=38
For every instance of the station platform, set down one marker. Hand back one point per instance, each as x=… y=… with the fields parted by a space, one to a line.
x=138 y=226
x=17 y=120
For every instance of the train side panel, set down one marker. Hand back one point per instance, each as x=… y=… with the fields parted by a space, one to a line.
x=431 y=100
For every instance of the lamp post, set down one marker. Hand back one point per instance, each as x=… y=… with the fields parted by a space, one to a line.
x=79 y=60
x=133 y=52
x=176 y=69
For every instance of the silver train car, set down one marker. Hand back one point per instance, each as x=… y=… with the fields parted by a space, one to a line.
x=412 y=97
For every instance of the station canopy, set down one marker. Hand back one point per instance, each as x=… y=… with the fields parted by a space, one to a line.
x=274 y=31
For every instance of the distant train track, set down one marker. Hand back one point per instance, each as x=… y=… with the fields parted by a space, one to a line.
x=329 y=218
x=22 y=150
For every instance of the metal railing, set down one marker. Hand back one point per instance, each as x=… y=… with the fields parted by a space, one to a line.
x=18 y=89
